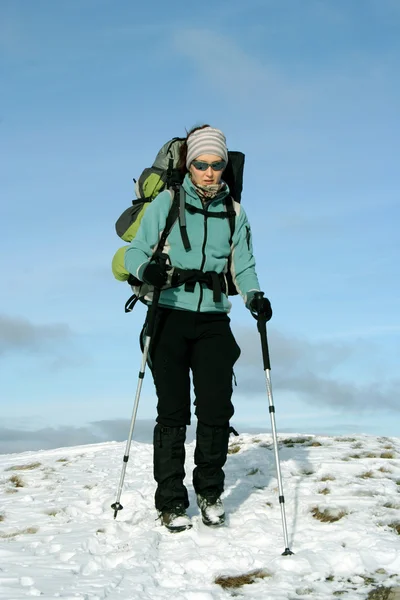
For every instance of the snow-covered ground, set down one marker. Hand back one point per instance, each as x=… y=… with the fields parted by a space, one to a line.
x=59 y=539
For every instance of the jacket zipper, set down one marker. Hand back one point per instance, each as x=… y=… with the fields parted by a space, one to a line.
x=203 y=260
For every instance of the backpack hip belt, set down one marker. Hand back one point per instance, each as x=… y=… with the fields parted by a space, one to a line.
x=189 y=277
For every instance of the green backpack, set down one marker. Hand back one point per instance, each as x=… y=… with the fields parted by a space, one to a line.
x=165 y=174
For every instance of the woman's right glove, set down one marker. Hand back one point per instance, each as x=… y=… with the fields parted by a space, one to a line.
x=155 y=273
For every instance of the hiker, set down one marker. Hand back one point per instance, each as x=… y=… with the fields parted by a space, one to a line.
x=192 y=326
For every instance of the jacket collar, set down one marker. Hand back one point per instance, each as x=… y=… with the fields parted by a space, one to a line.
x=191 y=191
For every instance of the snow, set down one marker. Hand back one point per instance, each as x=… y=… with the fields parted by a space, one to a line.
x=59 y=539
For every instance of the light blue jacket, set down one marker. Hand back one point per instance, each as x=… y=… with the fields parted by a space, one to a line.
x=209 y=240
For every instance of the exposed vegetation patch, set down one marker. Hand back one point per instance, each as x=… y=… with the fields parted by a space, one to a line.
x=384 y=470
x=307 y=471
x=392 y=505
x=328 y=515
x=28 y=530
x=388 y=455
x=379 y=593
x=52 y=512
x=27 y=467
x=345 y=439
x=16 y=481
x=357 y=445
x=324 y=491
x=396 y=526
x=359 y=455
x=304 y=591
x=328 y=478
x=233 y=449
x=62 y=460
x=1 y=518
x=237 y=581
x=253 y=471
x=290 y=442
x=367 y=475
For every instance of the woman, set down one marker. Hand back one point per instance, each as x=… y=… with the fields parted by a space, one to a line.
x=193 y=331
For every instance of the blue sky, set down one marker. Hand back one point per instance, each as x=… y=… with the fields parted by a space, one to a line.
x=90 y=90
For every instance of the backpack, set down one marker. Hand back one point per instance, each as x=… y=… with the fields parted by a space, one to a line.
x=164 y=174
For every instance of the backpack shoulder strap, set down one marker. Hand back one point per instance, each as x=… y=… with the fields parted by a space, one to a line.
x=171 y=218
x=231 y=216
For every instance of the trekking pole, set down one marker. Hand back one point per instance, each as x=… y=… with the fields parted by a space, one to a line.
x=149 y=334
x=262 y=329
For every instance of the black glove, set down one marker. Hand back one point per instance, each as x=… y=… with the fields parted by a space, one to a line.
x=260 y=307
x=155 y=274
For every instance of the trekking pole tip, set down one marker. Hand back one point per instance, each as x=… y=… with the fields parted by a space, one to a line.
x=116 y=507
x=287 y=552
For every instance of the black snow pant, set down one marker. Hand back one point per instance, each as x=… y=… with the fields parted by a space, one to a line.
x=202 y=343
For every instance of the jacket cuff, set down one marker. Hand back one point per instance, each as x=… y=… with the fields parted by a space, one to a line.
x=249 y=297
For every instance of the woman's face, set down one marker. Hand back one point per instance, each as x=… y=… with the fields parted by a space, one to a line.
x=209 y=176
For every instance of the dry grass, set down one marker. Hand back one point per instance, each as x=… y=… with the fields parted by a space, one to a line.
x=27 y=467
x=1 y=518
x=233 y=449
x=345 y=439
x=306 y=471
x=290 y=442
x=366 y=475
x=328 y=515
x=324 y=491
x=392 y=505
x=396 y=526
x=328 y=478
x=379 y=593
x=385 y=470
x=237 y=581
x=253 y=471
x=388 y=455
x=17 y=481
x=52 y=512
x=62 y=460
x=28 y=530
x=357 y=445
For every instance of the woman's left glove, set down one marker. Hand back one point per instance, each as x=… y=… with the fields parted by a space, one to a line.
x=260 y=307
x=155 y=274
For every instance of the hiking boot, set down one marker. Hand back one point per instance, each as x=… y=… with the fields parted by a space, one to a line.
x=212 y=511
x=175 y=519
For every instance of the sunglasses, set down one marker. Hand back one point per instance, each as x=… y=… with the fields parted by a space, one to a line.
x=200 y=165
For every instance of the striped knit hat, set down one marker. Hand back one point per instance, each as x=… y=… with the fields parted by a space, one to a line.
x=206 y=141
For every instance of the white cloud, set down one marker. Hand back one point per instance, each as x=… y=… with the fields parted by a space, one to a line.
x=17 y=333
x=309 y=371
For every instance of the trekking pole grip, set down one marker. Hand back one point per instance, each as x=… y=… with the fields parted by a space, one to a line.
x=262 y=329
